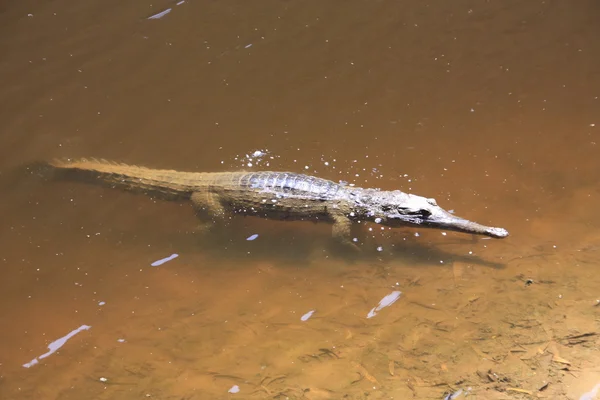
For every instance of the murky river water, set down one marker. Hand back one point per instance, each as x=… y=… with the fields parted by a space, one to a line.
x=492 y=108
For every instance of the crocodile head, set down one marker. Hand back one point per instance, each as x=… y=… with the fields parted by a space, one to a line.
x=396 y=208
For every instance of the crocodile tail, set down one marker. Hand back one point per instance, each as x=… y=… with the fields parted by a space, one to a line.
x=161 y=183
x=88 y=164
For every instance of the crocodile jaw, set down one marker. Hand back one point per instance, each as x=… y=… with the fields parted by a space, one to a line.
x=424 y=212
x=444 y=220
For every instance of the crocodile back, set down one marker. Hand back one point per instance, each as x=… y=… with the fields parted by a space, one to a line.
x=289 y=184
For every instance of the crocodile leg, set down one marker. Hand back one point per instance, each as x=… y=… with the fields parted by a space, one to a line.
x=208 y=209
x=341 y=230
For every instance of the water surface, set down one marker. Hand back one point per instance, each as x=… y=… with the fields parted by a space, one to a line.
x=492 y=108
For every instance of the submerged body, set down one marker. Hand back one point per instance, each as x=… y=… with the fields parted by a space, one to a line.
x=280 y=196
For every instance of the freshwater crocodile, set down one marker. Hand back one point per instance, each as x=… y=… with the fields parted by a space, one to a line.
x=277 y=195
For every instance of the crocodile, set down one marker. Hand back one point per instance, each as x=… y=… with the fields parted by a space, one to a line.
x=276 y=195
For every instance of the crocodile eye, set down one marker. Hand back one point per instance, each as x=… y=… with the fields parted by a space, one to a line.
x=419 y=213
x=424 y=213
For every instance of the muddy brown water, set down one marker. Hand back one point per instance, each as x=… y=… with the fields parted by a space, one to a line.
x=492 y=108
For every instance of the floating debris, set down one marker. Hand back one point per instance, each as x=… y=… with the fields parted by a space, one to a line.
x=234 y=389
x=57 y=344
x=591 y=395
x=164 y=260
x=101 y=303
x=160 y=14
x=385 y=302
x=252 y=237
x=165 y=12
x=454 y=395
x=306 y=316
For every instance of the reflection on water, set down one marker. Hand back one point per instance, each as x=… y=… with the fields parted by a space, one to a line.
x=491 y=108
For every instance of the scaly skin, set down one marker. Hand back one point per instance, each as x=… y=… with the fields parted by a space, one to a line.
x=280 y=196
